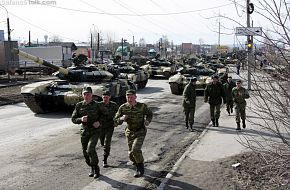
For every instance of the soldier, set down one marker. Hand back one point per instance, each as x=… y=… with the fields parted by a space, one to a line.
x=138 y=116
x=109 y=110
x=87 y=113
x=214 y=94
x=189 y=99
x=239 y=95
x=228 y=86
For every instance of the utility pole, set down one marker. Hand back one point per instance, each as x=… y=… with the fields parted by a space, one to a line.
x=249 y=45
x=219 y=38
x=91 y=52
x=98 y=44
x=122 y=48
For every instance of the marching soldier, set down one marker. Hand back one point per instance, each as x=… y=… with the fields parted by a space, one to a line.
x=228 y=86
x=138 y=116
x=189 y=99
x=87 y=113
x=109 y=110
x=239 y=95
x=214 y=94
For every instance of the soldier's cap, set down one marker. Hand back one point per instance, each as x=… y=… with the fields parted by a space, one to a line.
x=215 y=77
x=129 y=92
x=239 y=81
x=107 y=93
x=87 y=89
x=193 y=79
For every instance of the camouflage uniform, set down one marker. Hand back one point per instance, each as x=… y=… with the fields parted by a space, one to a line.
x=239 y=96
x=89 y=134
x=228 y=86
x=107 y=125
x=135 y=131
x=214 y=94
x=189 y=100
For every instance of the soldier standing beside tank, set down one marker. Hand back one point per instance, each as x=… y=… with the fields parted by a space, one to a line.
x=189 y=99
x=87 y=113
x=109 y=110
x=138 y=116
x=214 y=94
x=228 y=86
x=240 y=94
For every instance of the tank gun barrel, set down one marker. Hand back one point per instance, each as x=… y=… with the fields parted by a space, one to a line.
x=40 y=61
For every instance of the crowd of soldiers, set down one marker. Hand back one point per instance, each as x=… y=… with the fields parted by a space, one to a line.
x=98 y=120
x=215 y=94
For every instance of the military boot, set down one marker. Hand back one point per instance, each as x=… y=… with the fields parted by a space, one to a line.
x=216 y=122
x=92 y=172
x=137 y=173
x=231 y=110
x=141 y=169
x=244 y=124
x=213 y=122
x=238 y=126
x=97 y=172
x=191 y=126
x=186 y=124
x=105 y=163
x=228 y=110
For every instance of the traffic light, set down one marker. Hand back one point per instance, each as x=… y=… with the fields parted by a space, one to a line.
x=250 y=44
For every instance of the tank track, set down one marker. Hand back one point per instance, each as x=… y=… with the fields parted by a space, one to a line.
x=32 y=103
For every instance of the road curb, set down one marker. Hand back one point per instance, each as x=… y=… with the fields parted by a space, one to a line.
x=180 y=160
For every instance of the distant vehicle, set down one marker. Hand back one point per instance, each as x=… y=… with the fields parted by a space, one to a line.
x=152 y=53
x=160 y=67
x=105 y=56
x=126 y=52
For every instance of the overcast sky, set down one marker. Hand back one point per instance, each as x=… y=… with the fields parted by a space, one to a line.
x=180 y=20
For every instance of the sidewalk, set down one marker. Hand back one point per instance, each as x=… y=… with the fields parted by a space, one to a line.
x=215 y=143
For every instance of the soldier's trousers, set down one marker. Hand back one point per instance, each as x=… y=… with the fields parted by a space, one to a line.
x=135 y=141
x=189 y=114
x=89 y=141
x=230 y=105
x=240 y=112
x=215 y=111
x=106 y=138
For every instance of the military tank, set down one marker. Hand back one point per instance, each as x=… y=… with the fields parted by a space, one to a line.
x=66 y=90
x=129 y=71
x=178 y=81
x=160 y=67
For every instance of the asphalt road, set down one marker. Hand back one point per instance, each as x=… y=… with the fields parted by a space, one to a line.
x=44 y=151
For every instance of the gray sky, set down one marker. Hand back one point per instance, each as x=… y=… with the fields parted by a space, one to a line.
x=180 y=20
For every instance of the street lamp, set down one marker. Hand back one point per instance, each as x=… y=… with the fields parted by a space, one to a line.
x=8 y=23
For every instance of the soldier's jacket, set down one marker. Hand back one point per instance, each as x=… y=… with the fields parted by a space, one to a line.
x=240 y=95
x=214 y=93
x=228 y=87
x=108 y=113
x=189 y=96
x=136 y=115
x=92 y=110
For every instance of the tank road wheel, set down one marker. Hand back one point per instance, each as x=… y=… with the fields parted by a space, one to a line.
x=175 y=88
x=34 y=105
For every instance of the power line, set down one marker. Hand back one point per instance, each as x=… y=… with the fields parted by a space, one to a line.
x=141 y=15
x=36 y=26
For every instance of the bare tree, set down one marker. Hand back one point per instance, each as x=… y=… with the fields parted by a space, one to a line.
x=271 y=91
x=55 y=38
